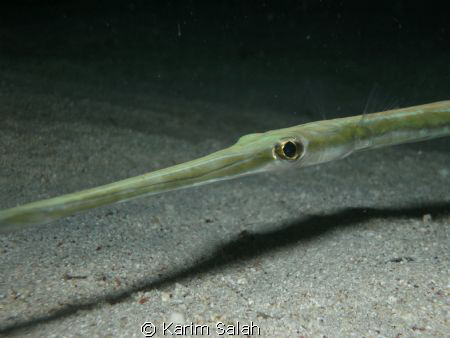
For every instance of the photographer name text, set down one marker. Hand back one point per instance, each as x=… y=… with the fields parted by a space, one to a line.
x=174 y=329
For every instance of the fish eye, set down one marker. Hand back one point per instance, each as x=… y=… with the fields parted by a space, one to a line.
x=289 y=149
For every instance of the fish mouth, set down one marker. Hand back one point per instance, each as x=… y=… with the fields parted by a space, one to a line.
x=222 y=165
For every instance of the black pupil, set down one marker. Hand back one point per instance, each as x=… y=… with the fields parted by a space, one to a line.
x=290 y=149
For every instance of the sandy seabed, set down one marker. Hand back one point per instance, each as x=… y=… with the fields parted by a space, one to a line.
x=359 y=246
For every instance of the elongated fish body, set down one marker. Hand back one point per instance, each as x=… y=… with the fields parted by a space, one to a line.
x=299 y=146
x=333 y=139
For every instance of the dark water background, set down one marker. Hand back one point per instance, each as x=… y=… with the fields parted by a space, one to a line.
x=311 y=58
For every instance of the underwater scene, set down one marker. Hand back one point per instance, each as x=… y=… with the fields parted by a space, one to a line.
x=224 y=168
